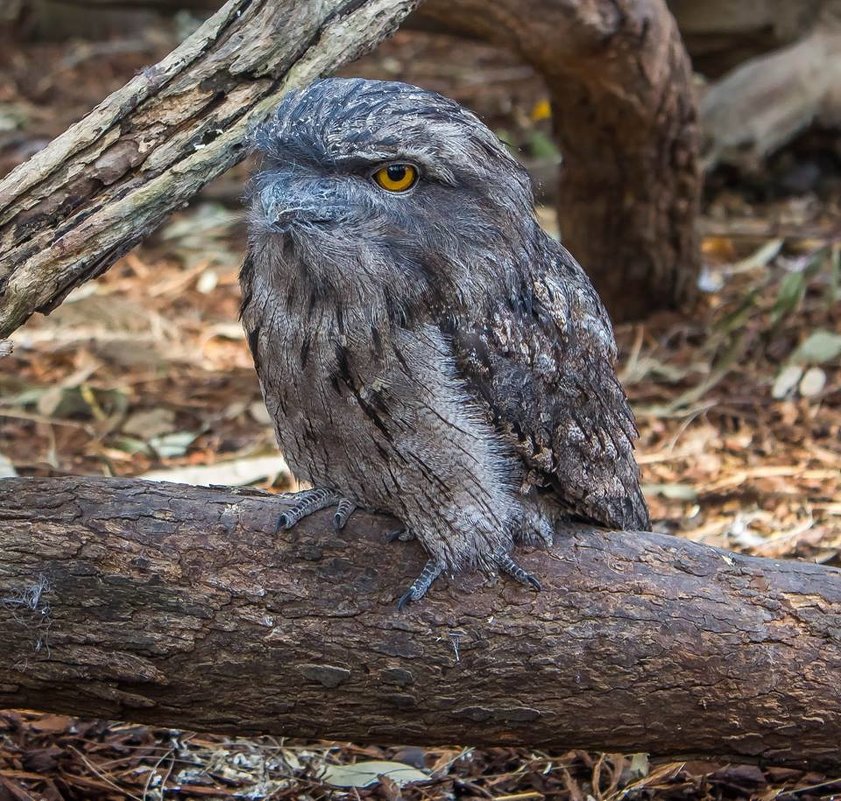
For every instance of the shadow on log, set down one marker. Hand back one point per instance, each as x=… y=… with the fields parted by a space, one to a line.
x=179 y=606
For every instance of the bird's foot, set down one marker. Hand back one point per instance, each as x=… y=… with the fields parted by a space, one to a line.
x=344 y=510
x=432 y=569
x=506 y=564
x=402 y=534
x=313 y=500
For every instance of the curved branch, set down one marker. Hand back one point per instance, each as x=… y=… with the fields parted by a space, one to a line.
x=626 y=120
x=178 y=605
x=75 y=207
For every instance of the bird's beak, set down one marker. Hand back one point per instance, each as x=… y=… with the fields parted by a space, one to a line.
x=280 y=210
x=288 y=203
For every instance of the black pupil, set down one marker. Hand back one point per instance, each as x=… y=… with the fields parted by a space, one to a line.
x=396 y=172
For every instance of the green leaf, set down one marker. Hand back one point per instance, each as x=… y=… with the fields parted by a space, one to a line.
x=786 y=381
x=639 y=766
x=812 y=383
x=791 y=291
x=834 y=290
x=129 y=445
x=174 y=444
x=542 y=146
x=820 y=347
x=760 y=258
x=739 y=316
x=364 y=774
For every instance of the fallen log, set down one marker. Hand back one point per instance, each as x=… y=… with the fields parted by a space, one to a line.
x=180 y=606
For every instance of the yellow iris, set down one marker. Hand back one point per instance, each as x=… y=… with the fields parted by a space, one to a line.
x=396 y=177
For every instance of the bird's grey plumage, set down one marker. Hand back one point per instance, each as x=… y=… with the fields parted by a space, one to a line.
x=430 y=353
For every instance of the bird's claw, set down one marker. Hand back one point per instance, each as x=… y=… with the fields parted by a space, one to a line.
x=309 y=501
x=431 y=570
x=402 y=534
x=343 y=511
x=506 y=564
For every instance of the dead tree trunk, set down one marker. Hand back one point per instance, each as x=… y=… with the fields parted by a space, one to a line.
x=69 y=212
x=625 y=117
x=624 y=111
x=179 y=605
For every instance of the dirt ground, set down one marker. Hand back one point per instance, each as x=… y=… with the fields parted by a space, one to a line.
x=738 y=402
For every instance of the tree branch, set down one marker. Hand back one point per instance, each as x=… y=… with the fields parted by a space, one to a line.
x=75 y=207
x=178 y=605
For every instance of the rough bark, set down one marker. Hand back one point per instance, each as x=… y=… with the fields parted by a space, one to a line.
x=69 y=212
x=179 y=606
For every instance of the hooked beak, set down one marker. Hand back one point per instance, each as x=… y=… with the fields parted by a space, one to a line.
x=290 y=203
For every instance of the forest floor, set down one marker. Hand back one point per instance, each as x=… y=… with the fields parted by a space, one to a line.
x=738 y=403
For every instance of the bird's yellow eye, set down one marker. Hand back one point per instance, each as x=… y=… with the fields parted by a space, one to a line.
x=396 y=177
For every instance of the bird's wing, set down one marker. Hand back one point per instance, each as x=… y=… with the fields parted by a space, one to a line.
x=542 y=364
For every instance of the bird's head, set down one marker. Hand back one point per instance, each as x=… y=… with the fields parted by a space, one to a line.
x=380 y=181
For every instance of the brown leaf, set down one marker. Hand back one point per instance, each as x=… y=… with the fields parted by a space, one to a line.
x=9 y=791
x=740 y=775
x=52 y=723
x=42 y=760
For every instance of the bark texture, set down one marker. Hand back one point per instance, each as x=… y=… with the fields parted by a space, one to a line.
x=179 y=606
x=69 y=212
x=625 y=116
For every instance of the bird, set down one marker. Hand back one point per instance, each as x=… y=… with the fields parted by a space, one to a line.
x=423 y=347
